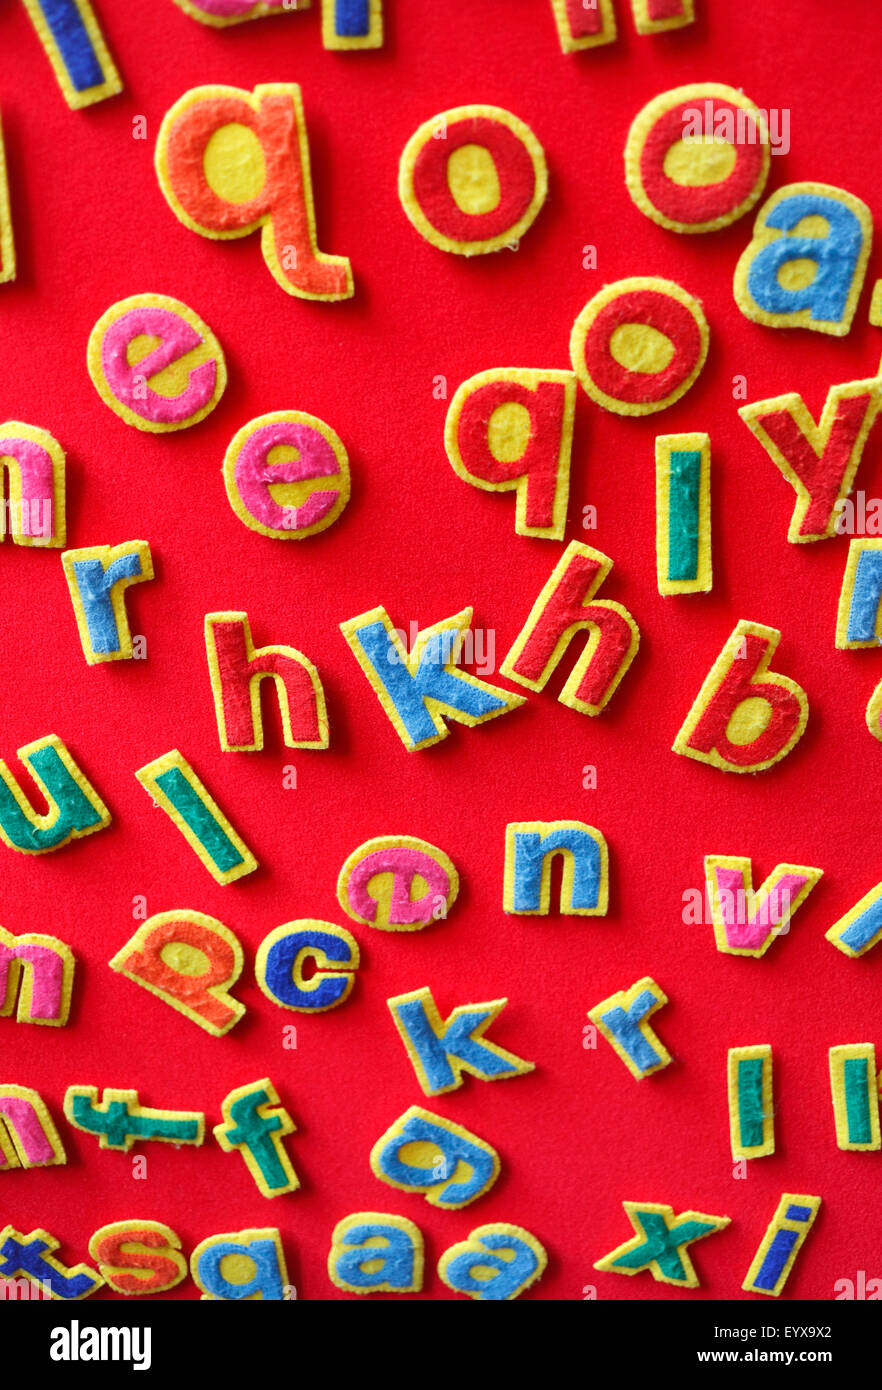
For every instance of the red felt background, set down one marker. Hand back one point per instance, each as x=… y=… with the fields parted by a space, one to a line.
x=579 y=1134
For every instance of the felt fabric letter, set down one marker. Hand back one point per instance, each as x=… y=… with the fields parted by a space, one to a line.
x=271 y=460
x=230 y=161
x=348 y=25
x=818 y=460
x=639 y=345
x=375 y=1252
x=746 y=923
x=423 y=1152
x=220 y=13
x=751 y=1104
x=138 y=1257
x=420 y=689
x=331 y=952
x=256 y=1124
x=241 y=1265
x=33 y=512
x=511 y=429
x=187 y=802
x=873 y=714
x=775 y=1258
x=477 y=189
x=584 y=26
x=118 y=1120
x=702 y=180
x=508 y=1257
x=97 y=578
x=861 y=927
x=859 y=619
x=661 y=1243
x=772 y=285
x=623 y=1019
x=190 y=961
x=530 y=847
x=75 y=46
x=237 y=668
x=566 y=606
x=150 y=338
x=683 y=514
x=38 y=970
x=657 y=16
x=744 y=719
x=75 y=808
x=397 y=883
x=30 y=1256
x=442 y=1049
x=7 y=240
x=28 y=1137
x=854 y=1086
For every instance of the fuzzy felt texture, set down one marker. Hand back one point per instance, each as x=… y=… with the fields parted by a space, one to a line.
x=381 y=368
